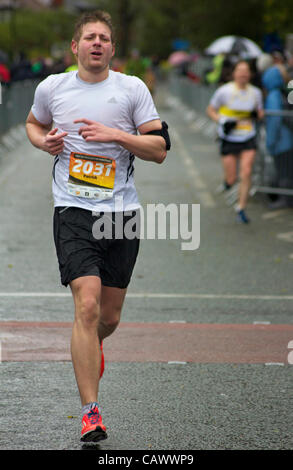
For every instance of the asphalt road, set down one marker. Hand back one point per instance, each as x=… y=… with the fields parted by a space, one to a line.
x=188 y=386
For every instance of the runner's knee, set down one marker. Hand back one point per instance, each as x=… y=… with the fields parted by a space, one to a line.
x=87 y=311
x=245 y=172
x=111 y=321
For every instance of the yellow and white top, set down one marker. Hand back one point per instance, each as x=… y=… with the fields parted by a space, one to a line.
x=233 y=103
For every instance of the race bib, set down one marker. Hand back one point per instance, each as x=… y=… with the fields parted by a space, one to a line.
x=244 y=125
x=91 y=176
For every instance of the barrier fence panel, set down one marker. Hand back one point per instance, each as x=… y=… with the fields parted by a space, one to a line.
x=273 y=169
x=17 y=99
x=195 y=95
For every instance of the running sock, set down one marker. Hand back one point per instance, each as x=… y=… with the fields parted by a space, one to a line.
x=87 y=408
x=227 y=185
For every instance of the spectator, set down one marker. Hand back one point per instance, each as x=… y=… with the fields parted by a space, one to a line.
x=69 y=62
x=280 y=61
x=226 y=74
x=40 y=68
x=5 y=75
x=279 y=137
x=21 y=69
x=290 y=66
x=135 y=65
x=214 y=75
x=140 y=67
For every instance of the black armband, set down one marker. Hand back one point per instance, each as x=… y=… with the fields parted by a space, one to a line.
x=163 y=133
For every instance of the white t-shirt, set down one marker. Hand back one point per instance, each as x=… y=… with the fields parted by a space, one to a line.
x=122 y=102
x=232 y=102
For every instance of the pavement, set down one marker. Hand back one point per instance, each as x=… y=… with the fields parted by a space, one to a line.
x=201 y=358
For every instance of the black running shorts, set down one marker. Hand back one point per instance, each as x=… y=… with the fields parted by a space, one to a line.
x=235 y=148
x=80 y=253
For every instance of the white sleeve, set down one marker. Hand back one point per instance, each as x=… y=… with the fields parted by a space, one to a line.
x=144 y=109
x=40 y=107
x=217 y=98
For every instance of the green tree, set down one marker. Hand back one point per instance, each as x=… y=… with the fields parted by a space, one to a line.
x=37 y=31
x=278 y=16
x=152 y=25
x=200 y=22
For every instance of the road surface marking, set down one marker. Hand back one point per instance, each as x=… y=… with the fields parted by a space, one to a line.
x=177 y=321
x=274 y=364
x=176 y=362
x=160 y=295
x=287 y=237
x=205 y=196
x=274 y=214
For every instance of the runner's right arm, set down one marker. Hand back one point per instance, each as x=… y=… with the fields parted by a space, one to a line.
x=43 y=136
x=212 y=113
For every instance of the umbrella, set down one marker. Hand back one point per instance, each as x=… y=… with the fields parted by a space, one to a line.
x=237 y=45
x=178 y=58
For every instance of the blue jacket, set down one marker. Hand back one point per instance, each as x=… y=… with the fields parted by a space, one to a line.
x=278 y=137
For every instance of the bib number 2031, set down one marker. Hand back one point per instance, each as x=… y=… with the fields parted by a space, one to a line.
x=91 y=176
x=94 y=168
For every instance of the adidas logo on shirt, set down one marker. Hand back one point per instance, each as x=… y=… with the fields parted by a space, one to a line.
x=112 y=100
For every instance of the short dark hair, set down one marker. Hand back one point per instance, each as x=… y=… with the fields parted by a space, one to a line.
x=93 y=17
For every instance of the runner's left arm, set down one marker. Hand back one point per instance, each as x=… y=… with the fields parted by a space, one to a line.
x=147 y=147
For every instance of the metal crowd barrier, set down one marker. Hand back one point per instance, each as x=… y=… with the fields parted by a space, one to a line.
x=273 y=174
x=17 y=99
x=194 y=95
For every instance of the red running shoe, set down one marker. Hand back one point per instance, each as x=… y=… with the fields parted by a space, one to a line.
x=93 y=429
x=102 y=361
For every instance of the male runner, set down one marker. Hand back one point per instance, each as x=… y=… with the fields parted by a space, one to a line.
x=96 y=113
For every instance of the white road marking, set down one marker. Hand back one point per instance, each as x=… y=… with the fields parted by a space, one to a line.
x=177 y=321
x=274 y=364
x=177 y=362
x=287 y=236
x=204 y=195
x=34 y=294
x=274 y=214
x=161 y=295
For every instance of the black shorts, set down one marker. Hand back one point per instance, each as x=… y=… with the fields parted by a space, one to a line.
x=235 y=148
x=80 y=253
